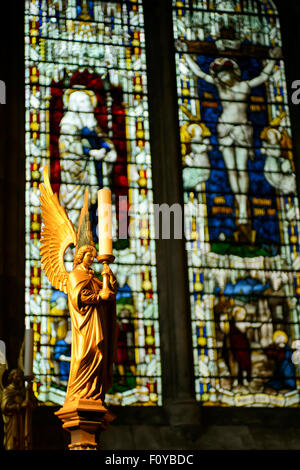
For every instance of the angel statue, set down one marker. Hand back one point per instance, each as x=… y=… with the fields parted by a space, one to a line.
x=93 y=316
x=17 y=401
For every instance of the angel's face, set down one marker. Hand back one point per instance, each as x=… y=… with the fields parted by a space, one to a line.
x=88 y=259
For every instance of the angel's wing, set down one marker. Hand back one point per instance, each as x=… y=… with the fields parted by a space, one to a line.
x=57 y=235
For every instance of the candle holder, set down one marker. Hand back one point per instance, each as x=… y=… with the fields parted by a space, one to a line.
x=106 y=292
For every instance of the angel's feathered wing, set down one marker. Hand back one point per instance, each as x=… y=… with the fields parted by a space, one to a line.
x=57 y=235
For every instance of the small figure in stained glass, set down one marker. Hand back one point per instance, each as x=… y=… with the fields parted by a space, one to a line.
x=62 y=357
x=59 y=333
x=236 y=347
x=195 y=144
x=284 y=372
x=278 y=169
x=125 y=361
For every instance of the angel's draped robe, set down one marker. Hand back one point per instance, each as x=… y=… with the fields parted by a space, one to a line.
x=93 y=337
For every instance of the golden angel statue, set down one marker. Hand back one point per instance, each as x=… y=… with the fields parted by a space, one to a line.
x=93 y=314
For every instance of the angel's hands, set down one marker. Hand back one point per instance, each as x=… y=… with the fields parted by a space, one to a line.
x=107 y=270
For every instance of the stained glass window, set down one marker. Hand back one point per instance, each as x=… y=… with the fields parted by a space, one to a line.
x=87 y=118
x=241 y=209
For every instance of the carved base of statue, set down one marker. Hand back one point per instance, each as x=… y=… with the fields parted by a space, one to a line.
x=85 y=419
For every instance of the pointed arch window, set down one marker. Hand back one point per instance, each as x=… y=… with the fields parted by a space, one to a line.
x=241 y=207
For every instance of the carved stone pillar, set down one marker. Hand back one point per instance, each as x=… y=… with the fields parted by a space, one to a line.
x=175 y=323
x=85 y=420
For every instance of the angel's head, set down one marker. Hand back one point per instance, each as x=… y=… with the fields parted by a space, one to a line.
x=85 y=255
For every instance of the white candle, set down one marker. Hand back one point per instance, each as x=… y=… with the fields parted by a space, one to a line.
x=104 y=222
x=28 y=354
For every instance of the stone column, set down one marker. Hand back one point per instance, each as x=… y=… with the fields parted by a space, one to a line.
x=174 y=305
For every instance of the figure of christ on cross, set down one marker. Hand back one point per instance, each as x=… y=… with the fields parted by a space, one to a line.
x=235 y=132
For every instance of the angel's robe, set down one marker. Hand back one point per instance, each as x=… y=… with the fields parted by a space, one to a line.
x=93 y=337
